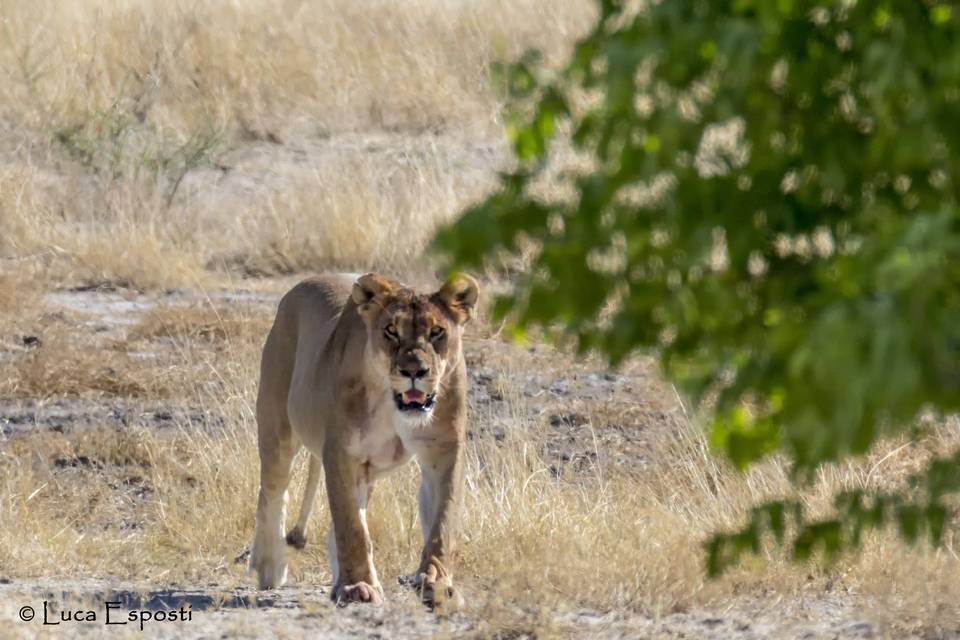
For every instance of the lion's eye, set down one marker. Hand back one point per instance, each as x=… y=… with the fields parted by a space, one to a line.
x=436 y=333
x=391 y=332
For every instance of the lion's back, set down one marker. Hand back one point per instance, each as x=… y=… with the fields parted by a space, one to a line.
x=306 y=317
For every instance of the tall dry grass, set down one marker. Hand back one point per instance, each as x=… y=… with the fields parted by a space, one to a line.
x=149 y=143
x=268 y=68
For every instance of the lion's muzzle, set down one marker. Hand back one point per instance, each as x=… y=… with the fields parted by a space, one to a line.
x=414 y=400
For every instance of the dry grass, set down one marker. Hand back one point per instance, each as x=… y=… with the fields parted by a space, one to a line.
x=212 y=324
x=58 y=367
x=264 y=68
x=600 y=544
x=160 y=357
x=19 y=295
x=147 y=144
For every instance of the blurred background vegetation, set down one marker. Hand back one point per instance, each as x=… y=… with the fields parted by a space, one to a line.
x=764 y=194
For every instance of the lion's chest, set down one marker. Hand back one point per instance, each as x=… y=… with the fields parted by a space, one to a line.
x=377 y=438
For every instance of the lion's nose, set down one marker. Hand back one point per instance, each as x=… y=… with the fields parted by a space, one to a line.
x=413 y=373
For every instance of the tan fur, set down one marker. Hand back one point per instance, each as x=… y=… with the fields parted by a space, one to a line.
x=342 y=361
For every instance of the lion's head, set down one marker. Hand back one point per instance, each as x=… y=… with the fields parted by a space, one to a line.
x=414 y=338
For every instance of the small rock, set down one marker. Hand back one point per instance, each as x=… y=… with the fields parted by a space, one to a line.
x=78 y=461
x=560 y=388
x=860 y=630
x=568 y=419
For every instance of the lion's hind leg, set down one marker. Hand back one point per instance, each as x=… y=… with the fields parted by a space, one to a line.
x=297 y=538
x=268 y=554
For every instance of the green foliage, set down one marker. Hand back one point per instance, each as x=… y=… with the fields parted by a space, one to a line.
x=917 y=512
x=118 y=144
x=771 y=207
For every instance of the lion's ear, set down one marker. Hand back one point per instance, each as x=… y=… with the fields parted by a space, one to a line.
x=368 y=288
x=459 y=294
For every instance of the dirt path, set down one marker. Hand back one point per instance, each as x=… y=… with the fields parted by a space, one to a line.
x=291 y=612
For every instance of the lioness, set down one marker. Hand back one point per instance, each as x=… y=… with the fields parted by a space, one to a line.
x=365 y=373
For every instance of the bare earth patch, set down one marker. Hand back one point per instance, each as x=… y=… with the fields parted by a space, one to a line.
x=242 y=612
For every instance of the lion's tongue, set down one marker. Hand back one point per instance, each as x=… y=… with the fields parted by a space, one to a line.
x=413 y=395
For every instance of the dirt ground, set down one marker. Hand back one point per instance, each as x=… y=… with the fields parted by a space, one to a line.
x=300 y=611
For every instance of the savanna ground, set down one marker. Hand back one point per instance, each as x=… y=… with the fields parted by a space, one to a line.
x=167 y=171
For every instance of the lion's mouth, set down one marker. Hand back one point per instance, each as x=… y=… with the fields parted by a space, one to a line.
x=421 y=403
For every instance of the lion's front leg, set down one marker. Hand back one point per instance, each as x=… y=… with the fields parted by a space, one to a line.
x=355 y=578
x=441 y=492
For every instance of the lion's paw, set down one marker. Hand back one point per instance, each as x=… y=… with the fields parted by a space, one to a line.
x=435 y=586
x=441 y=596
x=296 y=538
x=344 y=594
x=270 y=565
